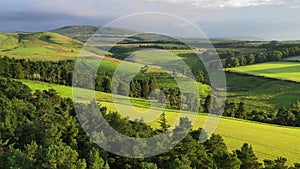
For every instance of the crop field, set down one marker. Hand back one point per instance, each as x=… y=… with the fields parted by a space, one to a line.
x=235 y=132
x=278 y=70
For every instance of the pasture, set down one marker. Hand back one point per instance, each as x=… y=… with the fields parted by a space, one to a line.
x=277 y=70
x=260 y=93
x=39 y=46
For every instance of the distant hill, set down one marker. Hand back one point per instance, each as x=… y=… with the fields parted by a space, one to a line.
x=39 y=46
x=239 y=38
x=84 y=32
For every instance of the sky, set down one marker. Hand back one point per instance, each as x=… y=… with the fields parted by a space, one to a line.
x=261 y=19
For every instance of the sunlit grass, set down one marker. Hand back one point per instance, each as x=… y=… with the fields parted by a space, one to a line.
x=268 y=141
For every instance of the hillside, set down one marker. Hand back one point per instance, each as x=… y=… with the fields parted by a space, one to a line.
x=39 y=46
x=83 y=32
x=235 y=132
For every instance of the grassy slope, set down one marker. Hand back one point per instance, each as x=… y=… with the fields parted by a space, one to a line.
x=39 y=46
x=259 y=92
x=268 y=141
x=83 y=32
x=279 y=70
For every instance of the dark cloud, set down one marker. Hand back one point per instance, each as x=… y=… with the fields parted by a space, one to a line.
x=261 y=18
x=39 y=21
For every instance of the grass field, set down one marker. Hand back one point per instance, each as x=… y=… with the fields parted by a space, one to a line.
x=259 y=93
x=158 y=65
x=268 y=141
x=278 y=70
x=39 y=46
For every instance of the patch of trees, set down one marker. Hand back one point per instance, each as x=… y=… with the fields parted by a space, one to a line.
x=62 y=73
x=234 y=44
x=47 y=71
x=166 y=47
x=264 y=56
x=171 y=97
x=41 y=130
x=283 y=116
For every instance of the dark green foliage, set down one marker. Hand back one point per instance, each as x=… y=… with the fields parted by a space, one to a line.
x=207 y=104
x=248 y=158
x=199 y=76
x=241 y=111
x=225 y=160
x=62 y=73
x=163 y=122
x=41 y=131
x=279 y=163
x=283 y=116
x=230 y=60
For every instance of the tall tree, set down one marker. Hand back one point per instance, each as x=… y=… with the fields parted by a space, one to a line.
x=163 y=122
x=241 y=111
x=248 y=158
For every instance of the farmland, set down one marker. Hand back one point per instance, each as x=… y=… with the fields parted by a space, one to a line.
x=235 y=132
x=277 y=70
x=260 y=93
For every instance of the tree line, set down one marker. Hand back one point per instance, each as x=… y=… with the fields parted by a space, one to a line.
x=285 y=116
x=62 y=73
x=41 y=130
x=260 y=57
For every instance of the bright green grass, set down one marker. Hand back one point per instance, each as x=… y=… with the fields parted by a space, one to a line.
x=32 y=51
x=39 y=46
x=277 y=70
x=259 y=93
x=268 y=141
x=3 y=37
x=8 y=41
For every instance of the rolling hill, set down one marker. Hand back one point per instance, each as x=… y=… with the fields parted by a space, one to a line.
x=39 y=46
x=83 y=32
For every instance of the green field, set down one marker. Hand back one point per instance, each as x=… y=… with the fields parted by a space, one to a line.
x=268 y=141
x=39 y=46
x=245 y=84
x=161 y=65
x=278 y=70
x=260 y=93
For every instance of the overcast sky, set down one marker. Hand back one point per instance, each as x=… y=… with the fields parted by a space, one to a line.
x=265 y=19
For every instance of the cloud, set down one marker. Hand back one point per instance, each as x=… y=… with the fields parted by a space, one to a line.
x=231 y=3
x=267 y=19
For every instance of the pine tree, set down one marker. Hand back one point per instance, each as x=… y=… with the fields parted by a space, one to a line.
x=226 y=160
x=240 y=113
x=163 y=122
x=95 y=161
x=207 y=104
x=248 y=158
